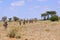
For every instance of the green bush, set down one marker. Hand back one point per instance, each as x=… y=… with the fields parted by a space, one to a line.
x=12 y=34
x=18 y=36
x=54 y=18
x=15 y=18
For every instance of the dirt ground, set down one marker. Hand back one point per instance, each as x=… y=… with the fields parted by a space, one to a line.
x=41 y=30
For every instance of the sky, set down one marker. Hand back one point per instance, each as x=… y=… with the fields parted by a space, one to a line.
x=28 y=8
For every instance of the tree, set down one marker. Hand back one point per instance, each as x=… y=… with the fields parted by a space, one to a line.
x=50 y=13
x=44 y=15
x=15 y=18
x=4 y=18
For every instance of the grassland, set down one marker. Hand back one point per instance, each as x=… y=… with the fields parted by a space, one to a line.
x=41 y=30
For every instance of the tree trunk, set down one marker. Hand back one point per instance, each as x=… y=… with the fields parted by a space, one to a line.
x=47 y=17
x=44 y=17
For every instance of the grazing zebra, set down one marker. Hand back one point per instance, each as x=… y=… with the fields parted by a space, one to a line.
x=20 y=22
x=5 y=24
x=24 y=22
x=30 y=21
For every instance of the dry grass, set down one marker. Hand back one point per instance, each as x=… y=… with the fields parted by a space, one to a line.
x=42 y=30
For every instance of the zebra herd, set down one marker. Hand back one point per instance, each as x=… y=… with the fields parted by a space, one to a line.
x=20 y=22
x=27 y=21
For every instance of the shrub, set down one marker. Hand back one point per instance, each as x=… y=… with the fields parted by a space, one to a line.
x=12 y=34
x=54 y=18
x=18 y=36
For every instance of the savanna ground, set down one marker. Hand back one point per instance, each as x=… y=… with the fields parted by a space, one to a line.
x=41 y=30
